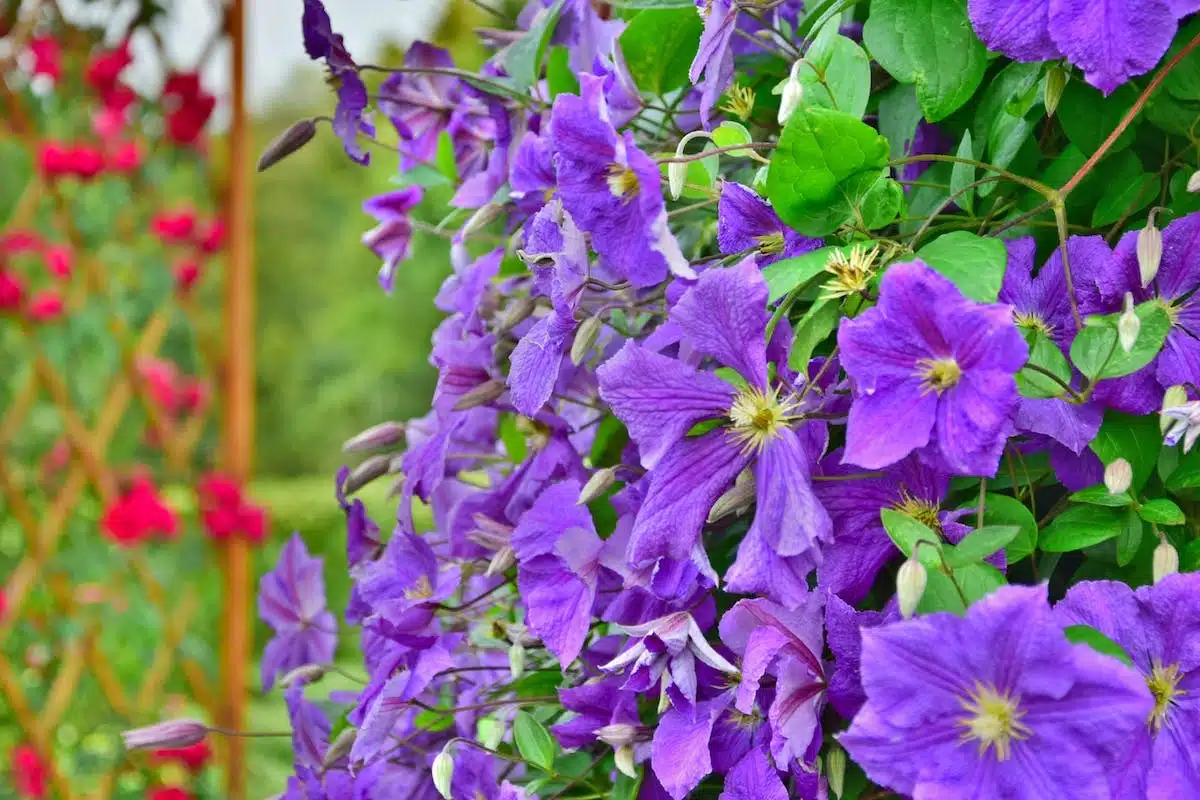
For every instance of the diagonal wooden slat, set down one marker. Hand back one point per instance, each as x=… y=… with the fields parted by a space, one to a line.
x=27 y=719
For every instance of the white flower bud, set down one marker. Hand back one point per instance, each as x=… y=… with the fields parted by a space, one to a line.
x=339 y=747
x=516 y=660
x=1175 y=396
x=1128 y=325
x=173 y=733
x=443 y=773
x=835 y=770
x=624 y=761
x=792 y=94
x=385 y=434
x=1056 y=82
x=737 y=499
x=585 y=337
x=515 y=313
x=1118 y=476
x=910 y=586
x=676 y=177
x=309 y=673
x=505 y=557
x=481 y=395
x=600 y=482
x=1149 y=251
x=1193 y=184
x=1166 y=560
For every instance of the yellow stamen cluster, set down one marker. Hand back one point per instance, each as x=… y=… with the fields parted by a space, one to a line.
x=622 y=182
x=770 y=243
x=758 y=417
x=739 y=101
x=1163 y=682
x=851 y=273
x=922 y=511
x=993 y=719
x=939 y=374
x=1032 y=322
x=1172 y=311
x=421 y=590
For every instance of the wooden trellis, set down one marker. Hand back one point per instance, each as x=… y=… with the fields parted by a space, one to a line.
x=66 y=615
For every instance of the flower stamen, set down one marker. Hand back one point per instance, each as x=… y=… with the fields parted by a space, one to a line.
x=1033 y=322
x=622 y=182
x=939 y=374
x=770 y=243
x=993 y=719
x=739 y=101
x=851 y=273
x=1162 y=683
x=922 y=511
x=759 y=416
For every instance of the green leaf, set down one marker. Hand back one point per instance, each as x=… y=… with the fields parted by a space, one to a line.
x=975 y=580
x=534 y=742
x=421 y=175
x=880 y=205
x=1080 y=527
x=929 y=43
x=730 y=133
x=839 y=78
x=1000 y=509
x=1136 y=439
x=1096 y=351
x=906 y=532
x=981 y=543
x=444 y=157
x=523 y=58
x=818 y=322
x=560 y=79
x=1044 y=353
x=16 y=165
x=701 y=174
x=1130 y=539
x=785 y=275
x=1099 y=495
x=819 y=154
x=1089 y=116
x=659 y=45
x=1161 y=512
x=899 y=115
x=1127 y=190
x=1085 y=634
x=625 y=788
x=1002 y=119
x=963 y=175
x=974 y=264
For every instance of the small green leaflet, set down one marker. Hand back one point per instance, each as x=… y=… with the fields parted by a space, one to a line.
x=975 y=580
x=929 y=43
x=905 y=532
x=963 y=175
x=1000 y=509
x=1161 y=512
x=534 y=742
x=659 y=45
x=1099 y=495
x=974 y=264
x=1130 y=537
x=840 y=78
x=981 y=543
x=1044 y=353
x=1084 y=634
x=818 y=322
x=1097 y=353
x=785 y=275
x=523 y=58
x=1134 y=438
x=730 y=133
x=559 y=77
x=1080 y=527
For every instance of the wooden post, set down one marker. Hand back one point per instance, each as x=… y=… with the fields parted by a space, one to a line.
x=238 y=401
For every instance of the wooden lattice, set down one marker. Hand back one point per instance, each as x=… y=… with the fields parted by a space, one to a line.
x=70 y=593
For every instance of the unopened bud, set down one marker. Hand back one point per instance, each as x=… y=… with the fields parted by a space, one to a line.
x=485 y=216
x=173 y=733
x=736 y=500
x=443 y=773
x=309 y=673
x=1193 y=184
x=618 y=734
x=296 y=136
x=481 y=395
x=910 y=586
x=623 y=757
x=501 y=562
x=516 y=660
x=374 y=467
x=600 y=482
x=1175 y=396
x=515 y=313
x=835 y=770
x=396 y=487
x=585 y=337
x=1166 y=560
x=676 y=177
x=792 y=96
x=1128 y=325
x=339 y=747
x=1118 y=476
x=385 y=434
x=1149 y=251
x=1056 y=83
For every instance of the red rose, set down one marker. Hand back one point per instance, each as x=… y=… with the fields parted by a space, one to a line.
x=29 y=773
x=45 y=306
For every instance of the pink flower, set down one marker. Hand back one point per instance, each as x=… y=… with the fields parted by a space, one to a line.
x=108 y=122
x=174 y=227
x=186 y=274
x=194 y=757
x=47 y=57
x=211 y=237
x=12 y=292
x=29 y=773
x=20 y=241
x=168 y=793
x=106 y=67
x=138 y=514
x=59 y=260
x=86 y=161
x=187 y=107
x=225 y=511
x=126 y=157
x=54 y=159
x=45 y=306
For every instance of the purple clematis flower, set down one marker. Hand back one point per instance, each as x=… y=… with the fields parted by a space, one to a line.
x=927 y=139
x=421 y=104
x=558 y=557
x=932 y=371
x=532 y=178
x=320 y=41
x=861 y=547
x=406 y=582
x=994 y=704
x=745 y=221
x=310 y=728
x=291 y=599
x=787 y=645
x=844 y=626
x=612 y=189
x=659 y=399
x=391 y=239
x=753 y=778
x=1110 y=42
x=600 y=706
x=556 y=251
x=1173 y=287
x=1159 y=627
x=667 y=649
